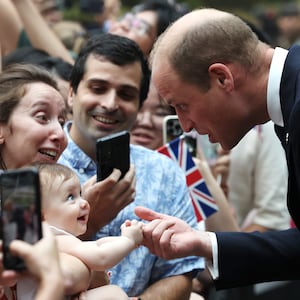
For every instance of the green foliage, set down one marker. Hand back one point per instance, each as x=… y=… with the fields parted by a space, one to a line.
x=242 y=6
x=75 y=14
x=221 y=4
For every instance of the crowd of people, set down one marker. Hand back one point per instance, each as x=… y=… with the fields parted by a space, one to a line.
x=65 y=84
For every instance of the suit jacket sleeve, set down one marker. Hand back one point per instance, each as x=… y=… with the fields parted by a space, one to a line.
x=247 y=258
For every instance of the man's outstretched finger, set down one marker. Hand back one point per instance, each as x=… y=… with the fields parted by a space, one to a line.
x=148 y=214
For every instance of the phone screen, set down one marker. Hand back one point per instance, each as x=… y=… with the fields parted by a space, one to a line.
x=113 y=152
x=20 y=211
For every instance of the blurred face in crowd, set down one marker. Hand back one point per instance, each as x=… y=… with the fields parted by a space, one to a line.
x=34 y=131
x=148 y=128
x=289 y=27
x=140 y=27
x=49 y=10
x=107 y=101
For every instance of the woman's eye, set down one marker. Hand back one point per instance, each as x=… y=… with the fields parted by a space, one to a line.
x=162 y=113
x=42 y=117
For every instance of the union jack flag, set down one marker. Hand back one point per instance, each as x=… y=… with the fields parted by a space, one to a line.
x=202 y=200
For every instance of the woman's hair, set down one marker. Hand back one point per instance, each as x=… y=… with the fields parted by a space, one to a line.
x=35 y=56
x=167 y=12
x=13 y=81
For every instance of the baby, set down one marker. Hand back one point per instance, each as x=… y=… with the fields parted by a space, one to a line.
x=67 y=213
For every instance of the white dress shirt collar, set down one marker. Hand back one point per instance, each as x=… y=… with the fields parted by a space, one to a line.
x=273 y=96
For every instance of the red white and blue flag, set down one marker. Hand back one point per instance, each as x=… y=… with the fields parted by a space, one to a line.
x=202 y=200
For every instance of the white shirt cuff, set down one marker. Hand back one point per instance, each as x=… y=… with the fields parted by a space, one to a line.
x=213 y=265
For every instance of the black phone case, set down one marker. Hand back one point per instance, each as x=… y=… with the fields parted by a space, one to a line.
x=20 y=211
x=112 y=152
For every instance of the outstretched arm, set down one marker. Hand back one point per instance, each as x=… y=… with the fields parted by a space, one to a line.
x=9 y=18
x=223 y=219
x=99 y=255
x=40 y=34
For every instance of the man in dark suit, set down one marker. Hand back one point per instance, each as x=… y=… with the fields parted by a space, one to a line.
x=223 y=81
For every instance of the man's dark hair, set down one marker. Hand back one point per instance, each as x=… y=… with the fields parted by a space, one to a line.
x=117 y=50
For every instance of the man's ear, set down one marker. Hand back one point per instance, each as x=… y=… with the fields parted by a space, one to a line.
x=70 y=97
x=221 y=76
x=2 y=129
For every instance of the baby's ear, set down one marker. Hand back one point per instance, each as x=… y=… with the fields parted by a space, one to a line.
x=42 y=216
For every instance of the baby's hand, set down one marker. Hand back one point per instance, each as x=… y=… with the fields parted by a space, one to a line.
x=133 y=230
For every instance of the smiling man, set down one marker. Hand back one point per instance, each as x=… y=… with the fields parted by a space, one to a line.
x=109 y=83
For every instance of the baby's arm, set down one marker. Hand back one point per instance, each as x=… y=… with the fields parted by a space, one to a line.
x=100 y=256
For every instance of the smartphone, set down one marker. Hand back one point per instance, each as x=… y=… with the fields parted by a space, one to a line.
x=172 y=129
x=112 y=152
x=20 y=211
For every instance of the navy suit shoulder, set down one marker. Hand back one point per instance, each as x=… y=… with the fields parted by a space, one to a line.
x=290 y=133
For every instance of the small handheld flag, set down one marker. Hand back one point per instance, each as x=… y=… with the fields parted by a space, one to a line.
x=202 y=200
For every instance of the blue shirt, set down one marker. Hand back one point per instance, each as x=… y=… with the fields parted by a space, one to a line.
x=161 y=186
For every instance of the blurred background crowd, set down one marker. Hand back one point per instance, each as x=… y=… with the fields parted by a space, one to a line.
x=73 y=20
x=280 y=20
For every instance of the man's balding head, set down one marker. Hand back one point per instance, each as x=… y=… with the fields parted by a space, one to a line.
x=200 y=38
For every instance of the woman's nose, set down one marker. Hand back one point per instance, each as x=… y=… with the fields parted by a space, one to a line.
x=58 y=132
x=145 y=117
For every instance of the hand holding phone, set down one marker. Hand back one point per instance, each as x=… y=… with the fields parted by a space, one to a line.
x=20 y=211
x=113 y=152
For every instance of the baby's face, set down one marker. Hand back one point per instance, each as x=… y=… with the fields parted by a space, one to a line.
x=66 y=209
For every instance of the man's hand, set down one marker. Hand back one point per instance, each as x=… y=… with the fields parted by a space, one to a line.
x=170 y=237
